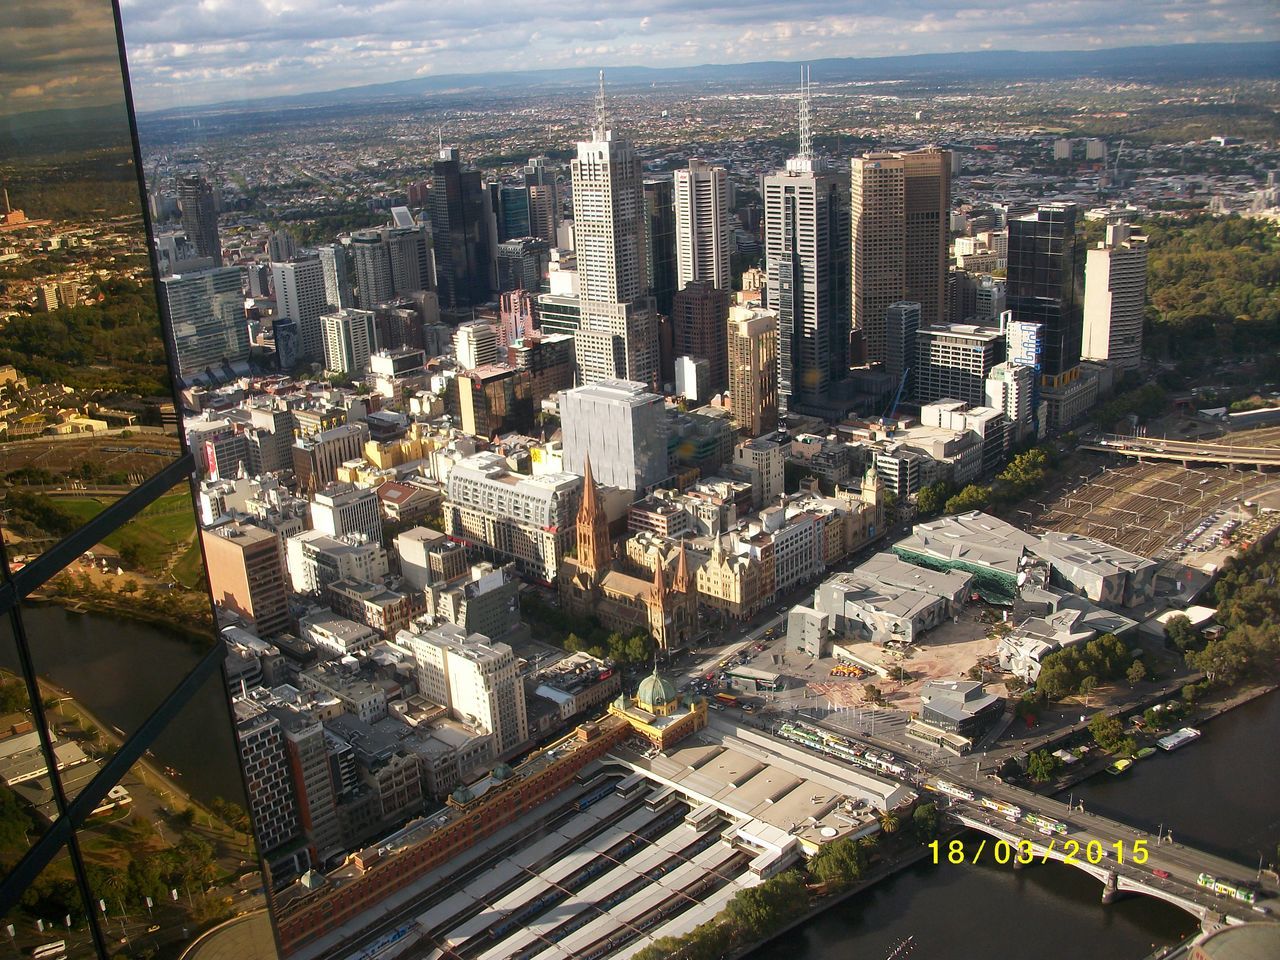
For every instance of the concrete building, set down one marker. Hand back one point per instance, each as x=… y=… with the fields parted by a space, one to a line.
x=477 y=679
x=614 y=341
x=337 y=276
x=375 y=605
x=206 y=317
x=476 y=345
x=887 y=600
x=693 y=379
x=341 y=509
x=337 y=636
x=900 y=204
x=702 y=226
x=901 y=330
x=1115 y=297
x=484 y=599
x=960 y=706
x=317 y=456
x=806 y=232
x=752 y=350
x=953 y=361
x=509 y=517
x=763 y=462
x=427 y=557
x=316 y=560
x=272 y=802
x=1011 y=388
x=301 y=297
x=622 y=428
x=350 y=338
x=246 y=575
x=578 y=685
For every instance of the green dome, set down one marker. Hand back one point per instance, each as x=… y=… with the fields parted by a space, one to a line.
x=656 y=691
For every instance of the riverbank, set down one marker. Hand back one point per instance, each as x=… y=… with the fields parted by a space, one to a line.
x=196 y=634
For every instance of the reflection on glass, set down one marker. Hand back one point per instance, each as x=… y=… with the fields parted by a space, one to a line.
x=84 y=384
x=178 y=858
x=51 y=912
x=27 y=805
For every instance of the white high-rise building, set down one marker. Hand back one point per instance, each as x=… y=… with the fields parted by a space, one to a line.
x=342 y=509
x=300 y=297
x=806 y=251
x=1115 y=297
x=475 y=344
x=206 y=318
x=702 y=225
x=617 y=331
x=337 y=279
x=621 y=427
x=349 y=338
x=476 y=679
x=1010 y=388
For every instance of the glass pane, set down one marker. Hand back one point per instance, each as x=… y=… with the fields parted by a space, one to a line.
x=177 y=856
x=84 y=377
x=51 y=911
x=27 y=805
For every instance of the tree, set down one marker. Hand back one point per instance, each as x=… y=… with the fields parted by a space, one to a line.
x=1087 y=686
x=1042 y=765
x=1180 y=632
x=924 y=822
x=932 y=499
x=1137 y=673
x=129 y=585
x=889 y=822
x=1106 y=731
x=972 y=497
x=872 y=693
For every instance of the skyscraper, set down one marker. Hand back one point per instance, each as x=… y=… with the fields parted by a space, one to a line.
x=200 y=215
x=617 y=335
x=206 y=319
x=753 y=369
x=300 y=297
x=660 y=242
x=902 y=322
x=621 y=427
x=522 y=263
x=337 y=279
x=1115 y=297
x=349 y=338
x=246 y=574
x=1046 y=284
x=699 y=319
x=460 y=234
x=702 y=225
x=372 y=258
x=544 y=199
x=806 y=211
x=900 y=206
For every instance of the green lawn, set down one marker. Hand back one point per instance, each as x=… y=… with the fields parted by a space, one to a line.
x=189 y=570
x=154 y=535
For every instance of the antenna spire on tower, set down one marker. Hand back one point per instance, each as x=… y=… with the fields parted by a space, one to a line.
x=806 y=132
x=601 y=122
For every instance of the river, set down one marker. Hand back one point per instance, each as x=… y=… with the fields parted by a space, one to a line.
x=120 y=670
x=1218 y=792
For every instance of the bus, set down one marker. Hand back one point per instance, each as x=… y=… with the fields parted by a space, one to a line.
x=1045 y=824
x=1009 y=811
x=728 y=699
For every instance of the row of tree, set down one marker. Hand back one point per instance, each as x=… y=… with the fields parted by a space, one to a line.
x=1026 y=473
x=1082 y=667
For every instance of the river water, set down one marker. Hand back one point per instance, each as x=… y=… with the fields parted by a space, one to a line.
x=121 y=670
x=1219 y=793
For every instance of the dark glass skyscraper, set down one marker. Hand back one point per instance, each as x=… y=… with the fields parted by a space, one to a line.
x=460 y=233
x=1046 y=283
x=200 y=215
x=660 y=238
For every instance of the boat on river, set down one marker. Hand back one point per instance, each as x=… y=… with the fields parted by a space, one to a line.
x=1120 y=766
x=1180 y=739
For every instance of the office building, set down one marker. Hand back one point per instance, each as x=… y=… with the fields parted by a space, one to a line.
x=1011 y=388
x=460 y=233
x=506 y=516
x=693 y=378
x=763 y=462
x=1115 y=297
x=392 y=261
x=699 y=325
x=477 y=679
x=246 y=574
x=549 y=360
x=372 y=258
x=753 y=369
x=342 y=509
x=337 y=278
x=1046 y=284
x=315 y=560
x=517 y=316
x=300 y=297
x=350 y=338
x=281 y=246
x=522 y=263
x=660 y=242
x=200 y=216
x=621 y=427
x=490 y=399
x=206 y=319
x=902 y=326
x=510 y=204
x=317 y=456
x=272 y=803
x=806 y=215
x=476 y=345
x=428 y=556
x=953 y=360
x=702 y=226
x=900 y=207
x=544 y=200
x=617 y=341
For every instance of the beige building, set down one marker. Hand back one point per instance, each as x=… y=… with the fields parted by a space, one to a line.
x=1115 y=297
x=753 y=370
x=246 y=575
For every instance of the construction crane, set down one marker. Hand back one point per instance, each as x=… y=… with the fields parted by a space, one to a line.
x=897 y=397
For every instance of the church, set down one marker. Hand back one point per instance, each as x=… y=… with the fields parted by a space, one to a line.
x=665 y=607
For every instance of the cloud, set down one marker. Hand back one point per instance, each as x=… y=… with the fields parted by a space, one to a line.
x=57 y=54
x=194 y=51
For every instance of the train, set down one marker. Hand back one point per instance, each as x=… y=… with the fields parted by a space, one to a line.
x=593 y=796
x=1010 y=811
x=835 y=745
x=1225 y=888
x=952 y=790
x=1045 y=824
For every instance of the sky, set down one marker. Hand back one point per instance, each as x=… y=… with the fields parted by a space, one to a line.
x=188 y=52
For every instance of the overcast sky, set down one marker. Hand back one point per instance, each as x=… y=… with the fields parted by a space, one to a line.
x=184 y=52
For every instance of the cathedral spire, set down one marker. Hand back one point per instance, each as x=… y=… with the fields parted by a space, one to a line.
x=659 y=581
x=593 y=525
x=682 y=582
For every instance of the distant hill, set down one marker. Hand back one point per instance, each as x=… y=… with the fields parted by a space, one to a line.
x=1174 y=62
x=43 y=132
